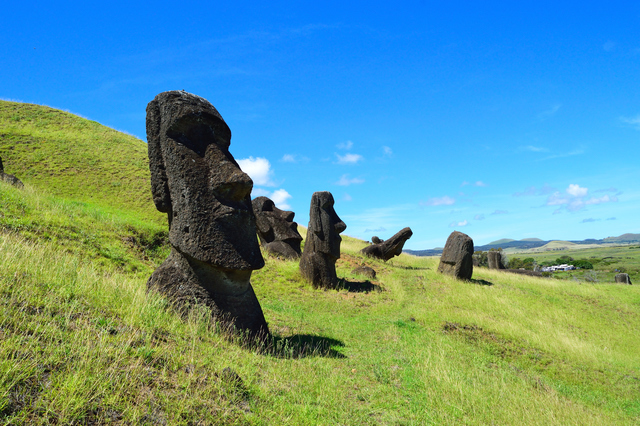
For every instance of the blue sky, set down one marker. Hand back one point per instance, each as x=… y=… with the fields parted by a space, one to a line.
x=497 y=119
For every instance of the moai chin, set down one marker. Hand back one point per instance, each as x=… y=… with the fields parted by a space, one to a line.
x=322 y=247
x=212 y=230
x=277 y=231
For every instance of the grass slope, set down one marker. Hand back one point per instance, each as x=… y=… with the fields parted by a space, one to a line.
x=82 y=342
x=75 y=158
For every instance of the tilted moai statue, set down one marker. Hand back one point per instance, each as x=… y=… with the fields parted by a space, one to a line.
x=386 y=249
x=457 y=256
x=322 y=247
x=494 y=260
x=212 y=230
x=277 y=231
x=623 y=278
x=10 y=178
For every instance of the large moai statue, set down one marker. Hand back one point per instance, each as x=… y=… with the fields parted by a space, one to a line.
x=277 y=231
x=386 y=249
x=457 y=256
x=494 y=260
x=10 y=178
x=322 y=247
x=212 y=230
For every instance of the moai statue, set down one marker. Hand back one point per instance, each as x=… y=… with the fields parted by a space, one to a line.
x=494 y=260
x=322 y=247
x=457 y=256
x=212 y=229
x=10 y=178
x=386 y=249
x=623 y=278
x=277 y=231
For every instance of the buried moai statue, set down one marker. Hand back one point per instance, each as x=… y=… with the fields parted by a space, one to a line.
x=386 y=249
x=457 y=256
x=494 y=260
x=322 y=247
x=10 y=178
x=212 y=230
x=623 y=278
x=277 y=231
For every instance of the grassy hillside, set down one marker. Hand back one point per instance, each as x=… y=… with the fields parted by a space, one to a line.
x=75 y=158
x=82 y=342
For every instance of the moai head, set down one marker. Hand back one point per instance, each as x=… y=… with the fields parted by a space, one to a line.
x=325 y=225
x=276 y=228
x=197 y=182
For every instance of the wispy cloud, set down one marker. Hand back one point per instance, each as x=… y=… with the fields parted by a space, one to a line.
x=561 y=154
x=439 y=201
x=612 y=218
x=633 y=121
x=346 y=181
x=349 y=158
x=477 y=183
x=381 y=229
x=609 y=46
x=589 y=220
x=497 y=212
x=478 y=217
x=454 y=224
x=575 y=198
x=532 y=148
x=549 y=112
x=388 y=152
x=347 y=197
x=532 y=190
x=345 y=145
x=279 y=197
x=258 y=169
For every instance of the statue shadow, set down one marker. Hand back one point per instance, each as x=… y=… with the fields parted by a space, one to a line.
x=303 y=346
x=481 y=282
x=410 y=268
x=357 y=286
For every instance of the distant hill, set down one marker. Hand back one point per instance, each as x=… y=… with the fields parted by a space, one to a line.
x=533 y=243
x=75 y=158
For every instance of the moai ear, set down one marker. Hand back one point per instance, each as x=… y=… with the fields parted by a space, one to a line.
x=159 y=181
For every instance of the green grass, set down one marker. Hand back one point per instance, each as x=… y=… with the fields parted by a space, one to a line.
x=83 y=343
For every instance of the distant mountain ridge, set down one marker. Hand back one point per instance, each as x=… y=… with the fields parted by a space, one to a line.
x=529 y=243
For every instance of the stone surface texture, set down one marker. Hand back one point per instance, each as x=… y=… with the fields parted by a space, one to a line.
x=388 y=248
x=6 y=177
x=212 y=231
x=623 y=278
x=322 y=247
x=457 y=256
x=277 y=231
x=494 y=260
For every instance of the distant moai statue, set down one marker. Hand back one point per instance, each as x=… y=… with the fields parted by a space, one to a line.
x=9 y=178
x=623 y=279
x=322 y=247
x=277 y=231
x=457 y=256
x=387 y=249
x=212 y=230
x=494 y=259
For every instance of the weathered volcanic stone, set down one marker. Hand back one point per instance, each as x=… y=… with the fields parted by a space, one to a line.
x=365 y=270
x=277 y=231
x=494 y=260
x=376 y=240
x=10 y=178
x=322 y=247
x=457 y=256
x=388 y=248
x=212 y=231
x=623 y=278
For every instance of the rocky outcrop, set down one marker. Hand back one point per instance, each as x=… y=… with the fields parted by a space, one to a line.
x=387 y=249
x=6 y=177
x=457 y=256
x=322 y=246
x=623 y=278
x=277 y=231
x=212 y=230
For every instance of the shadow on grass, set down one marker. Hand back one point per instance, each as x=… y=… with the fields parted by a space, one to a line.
x=303 y=346
x=410 y=268
x=357 y=286
x=481 y=282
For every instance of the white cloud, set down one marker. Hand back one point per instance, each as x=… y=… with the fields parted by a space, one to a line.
x=549 y=112
x=478 y=217
x=534 y=148
x=532 y=190
x=288 y=158
x=349 y=158
x=345 y=181
x=280 y=197
x=388 y=152
x=259 y=169
x=464 y=183
x=500 y=212
x=576 y=190
x=439 y=201
x=589 y=220
x=633 y=121
x=454 y=224
x=347 y=197
x=345 y=145
x=480 y=183
x=575 y=152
